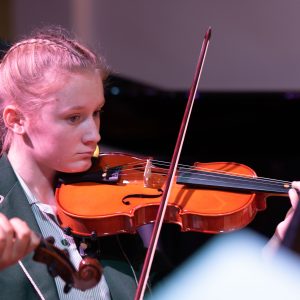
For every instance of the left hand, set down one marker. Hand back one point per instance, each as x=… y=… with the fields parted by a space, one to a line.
x=281 y=228
x=294 y=198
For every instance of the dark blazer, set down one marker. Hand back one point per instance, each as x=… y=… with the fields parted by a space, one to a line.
x=13 y=282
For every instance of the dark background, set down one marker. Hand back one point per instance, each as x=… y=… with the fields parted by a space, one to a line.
x=258 y=129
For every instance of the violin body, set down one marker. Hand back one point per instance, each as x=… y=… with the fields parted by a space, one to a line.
x=131 y=199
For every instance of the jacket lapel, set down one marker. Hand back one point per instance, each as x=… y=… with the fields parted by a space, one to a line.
x=119 y=280
x=15 y=204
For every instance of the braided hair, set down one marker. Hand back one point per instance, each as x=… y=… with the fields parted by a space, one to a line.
x=32 y=68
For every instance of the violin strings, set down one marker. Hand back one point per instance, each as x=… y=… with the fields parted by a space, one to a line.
x=215 y=174
x=212 y=173
x=238 y=179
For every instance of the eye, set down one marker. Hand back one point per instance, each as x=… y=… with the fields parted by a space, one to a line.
x=74 y=119
x=98 y=112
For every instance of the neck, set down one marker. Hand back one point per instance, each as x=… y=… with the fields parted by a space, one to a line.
x=38 y=178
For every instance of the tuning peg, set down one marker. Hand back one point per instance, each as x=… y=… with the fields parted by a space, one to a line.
x=52 y=270
x=67 y=288
x=66 y=252
x=50 y=240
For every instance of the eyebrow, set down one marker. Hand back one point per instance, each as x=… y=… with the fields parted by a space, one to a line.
x=78 y=107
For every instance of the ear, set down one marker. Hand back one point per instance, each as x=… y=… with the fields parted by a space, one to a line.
x=14 y=119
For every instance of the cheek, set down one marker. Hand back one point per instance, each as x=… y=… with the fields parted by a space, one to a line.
x=47 y=141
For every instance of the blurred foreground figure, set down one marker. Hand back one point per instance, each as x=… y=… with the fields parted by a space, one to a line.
x=233 y=267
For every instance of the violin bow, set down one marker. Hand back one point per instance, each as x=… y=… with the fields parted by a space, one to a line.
x=171 y=172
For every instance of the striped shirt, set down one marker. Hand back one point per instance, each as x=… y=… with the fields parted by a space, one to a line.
x=48 y=225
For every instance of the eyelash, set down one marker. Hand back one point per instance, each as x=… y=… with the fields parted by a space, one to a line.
x=75 y=118
x=99 y=112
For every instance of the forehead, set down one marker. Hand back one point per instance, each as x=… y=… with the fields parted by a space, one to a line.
x=79 y=88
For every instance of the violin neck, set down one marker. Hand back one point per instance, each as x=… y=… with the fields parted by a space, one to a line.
x=238 y=183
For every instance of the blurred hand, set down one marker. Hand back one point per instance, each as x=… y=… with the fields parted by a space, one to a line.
x=16 y=240
x=275 y=241
x=294 y=198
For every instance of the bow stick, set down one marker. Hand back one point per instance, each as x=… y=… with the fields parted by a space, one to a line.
x=171 y=173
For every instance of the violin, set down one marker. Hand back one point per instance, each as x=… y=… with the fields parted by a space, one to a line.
x=122 y=192
x=58 y=264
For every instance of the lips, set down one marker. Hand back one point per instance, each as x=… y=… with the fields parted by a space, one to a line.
x=87 y=154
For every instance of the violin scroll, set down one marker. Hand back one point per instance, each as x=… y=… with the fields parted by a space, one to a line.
x=58 y=263
x=89 y=273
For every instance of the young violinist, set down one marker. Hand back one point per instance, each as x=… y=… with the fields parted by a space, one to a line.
x=51 y=96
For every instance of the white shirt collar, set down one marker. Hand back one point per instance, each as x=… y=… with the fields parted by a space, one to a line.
x=46 y=208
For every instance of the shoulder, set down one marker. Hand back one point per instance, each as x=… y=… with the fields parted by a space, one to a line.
x=8 y=178
x=14 y=202
x=7 y=175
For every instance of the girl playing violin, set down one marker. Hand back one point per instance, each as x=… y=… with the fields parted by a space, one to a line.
x=51 y=95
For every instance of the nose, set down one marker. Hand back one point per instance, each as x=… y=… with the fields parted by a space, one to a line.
x=92 y=133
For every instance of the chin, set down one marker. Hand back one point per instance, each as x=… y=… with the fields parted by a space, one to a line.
x=78 y=167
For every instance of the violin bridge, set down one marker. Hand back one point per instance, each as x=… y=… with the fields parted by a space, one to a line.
x=147 y=172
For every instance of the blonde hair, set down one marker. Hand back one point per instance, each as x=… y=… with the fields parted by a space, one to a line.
x=25 y=70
